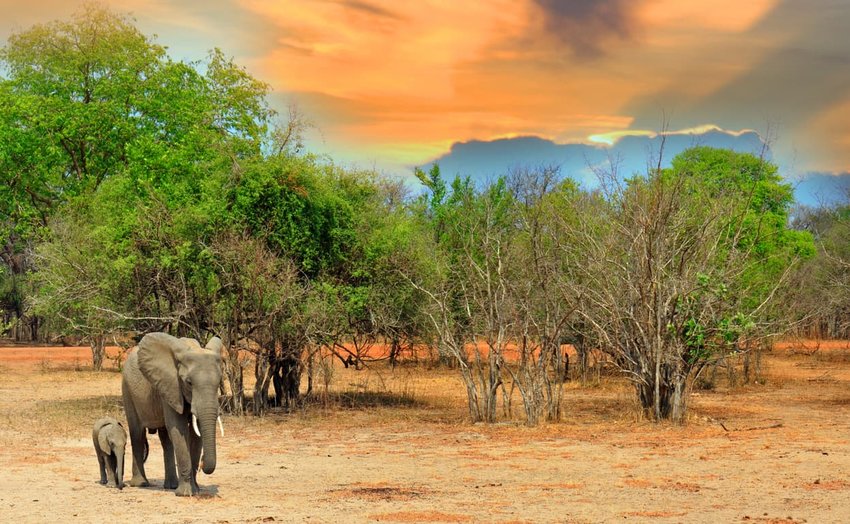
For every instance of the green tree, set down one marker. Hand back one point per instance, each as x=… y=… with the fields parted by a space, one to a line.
x=762 y=206
x=64 y=116
x=682 y=265
x=78 y=282
x=99 y=117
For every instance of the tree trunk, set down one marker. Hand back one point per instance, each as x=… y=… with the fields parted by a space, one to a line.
x=34 y=325
x=475 y=414
x=678 y=398
x=233 y=370
x=288 y=382
x=277 y=382
x=97 y=352
x=310 y=370
x=262 y=368
x=666 y=399
x=583 y=362
x=555 y=384
x=730 y=371
x=494 y=380
x=395 y=349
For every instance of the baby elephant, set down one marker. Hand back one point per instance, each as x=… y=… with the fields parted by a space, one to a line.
x=110 y=439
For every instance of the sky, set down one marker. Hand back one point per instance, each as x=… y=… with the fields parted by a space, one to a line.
x=391 y=85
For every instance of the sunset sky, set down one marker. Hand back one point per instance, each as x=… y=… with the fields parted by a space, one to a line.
x=393 y=84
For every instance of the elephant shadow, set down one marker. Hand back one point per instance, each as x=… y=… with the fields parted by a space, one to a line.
x=208 y=491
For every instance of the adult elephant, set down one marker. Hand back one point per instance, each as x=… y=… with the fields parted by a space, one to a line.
x=170 y=385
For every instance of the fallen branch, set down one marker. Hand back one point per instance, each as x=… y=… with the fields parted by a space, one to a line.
x=755 y=428
x=821 y=378
x=773 y=426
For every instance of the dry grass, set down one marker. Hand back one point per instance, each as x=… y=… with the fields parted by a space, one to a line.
x=421 y=393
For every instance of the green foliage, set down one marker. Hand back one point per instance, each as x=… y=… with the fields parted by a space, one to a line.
x=303 y=209
x=433 y=180
x=71 y=104
x=76 y=278
x=759 y=221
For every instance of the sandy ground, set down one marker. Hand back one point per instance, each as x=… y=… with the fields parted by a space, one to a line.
x=775 y=453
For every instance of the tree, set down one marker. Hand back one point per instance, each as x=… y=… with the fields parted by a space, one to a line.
x=77 y=282
x=495 y=279
x=681 y=265
x=487 y=259
x=253 y=292
x=762 y=204
x=65 y=117
x=99 y=117
x=822 y=303
x=541 y=301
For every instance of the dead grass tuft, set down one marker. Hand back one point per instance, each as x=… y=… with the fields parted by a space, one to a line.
x=363 y=399
x=379 y=492
x=420 y=516
x=828 y=485
x=654 y=514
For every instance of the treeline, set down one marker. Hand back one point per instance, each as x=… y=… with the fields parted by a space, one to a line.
x=142 y=194
x=822 y=298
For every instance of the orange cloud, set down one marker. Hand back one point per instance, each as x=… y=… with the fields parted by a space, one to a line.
x=716 y=15
x=430 y=73
x=825 y=142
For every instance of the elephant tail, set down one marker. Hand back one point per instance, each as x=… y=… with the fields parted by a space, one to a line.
x=147 y=449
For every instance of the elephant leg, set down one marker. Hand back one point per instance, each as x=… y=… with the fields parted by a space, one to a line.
x=138 y=444
x=178 y=429
x=101 y=465
x=195 y=446
x=167 y=442
x=111 y=466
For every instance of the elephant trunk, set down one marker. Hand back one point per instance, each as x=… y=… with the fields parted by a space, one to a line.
x=207 y=423
x=119 y=468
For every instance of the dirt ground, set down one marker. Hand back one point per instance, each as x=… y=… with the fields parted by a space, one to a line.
x=772 y=453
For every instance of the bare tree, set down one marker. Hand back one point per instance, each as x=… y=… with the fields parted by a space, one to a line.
x=541 y=303
x=661 y=265
x=469 y=294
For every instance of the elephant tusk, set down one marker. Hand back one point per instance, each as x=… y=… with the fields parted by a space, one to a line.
x=195 y=425
x=220 y=426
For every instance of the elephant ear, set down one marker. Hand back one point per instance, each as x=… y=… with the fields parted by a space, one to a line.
x=158 y=356
x=103 y=441
x=191 y=342
x=215 y=345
